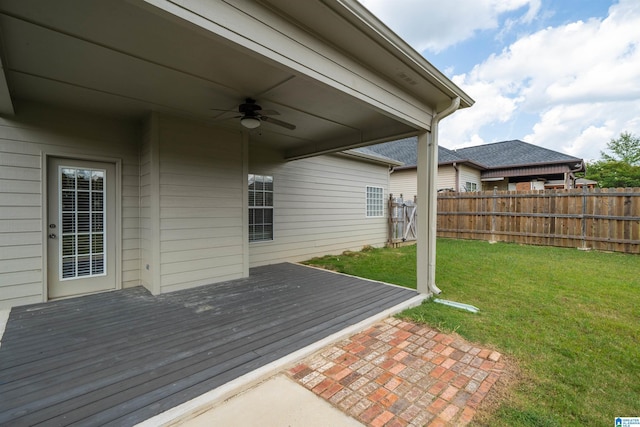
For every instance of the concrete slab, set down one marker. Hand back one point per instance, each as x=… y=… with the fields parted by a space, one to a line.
x=276 y=402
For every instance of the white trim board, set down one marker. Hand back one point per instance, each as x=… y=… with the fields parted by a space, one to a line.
x=4 y=319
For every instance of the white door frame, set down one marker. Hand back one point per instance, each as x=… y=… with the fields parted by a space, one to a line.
x=45 y=212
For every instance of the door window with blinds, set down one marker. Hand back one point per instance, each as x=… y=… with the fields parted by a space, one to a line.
x=82 y=222
x=260 y=208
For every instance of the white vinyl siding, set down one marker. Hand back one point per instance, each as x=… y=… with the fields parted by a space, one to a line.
x=23 y=143
x=318 y=206
x=404 y=183
x=202 y=192
x=447 y=178
x=470 y=175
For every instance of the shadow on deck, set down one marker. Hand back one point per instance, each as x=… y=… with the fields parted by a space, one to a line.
x=119 y=358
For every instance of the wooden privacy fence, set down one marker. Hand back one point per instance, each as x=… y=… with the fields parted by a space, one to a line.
x=601 y=219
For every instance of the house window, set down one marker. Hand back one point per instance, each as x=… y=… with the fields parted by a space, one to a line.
x=260 y=208
x=375 y=202
x=470 y=186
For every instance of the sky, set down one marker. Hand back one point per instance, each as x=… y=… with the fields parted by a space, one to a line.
x=561 y=74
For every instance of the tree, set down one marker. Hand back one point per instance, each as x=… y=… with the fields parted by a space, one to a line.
x=621 y=168
x=624 y=149
x=613 y=173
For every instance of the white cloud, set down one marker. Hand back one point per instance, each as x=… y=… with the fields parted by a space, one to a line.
x=582 y=81
x=435 y=25
x=492 y=106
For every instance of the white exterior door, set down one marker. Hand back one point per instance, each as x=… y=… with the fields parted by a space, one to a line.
x=81 y=227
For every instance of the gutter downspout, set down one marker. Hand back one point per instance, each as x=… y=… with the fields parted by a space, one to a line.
x=457 y=179
x=432 y=202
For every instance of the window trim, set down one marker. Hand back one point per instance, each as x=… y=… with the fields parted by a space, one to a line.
x=369 y=202
x=471 y=186
x=263 y=207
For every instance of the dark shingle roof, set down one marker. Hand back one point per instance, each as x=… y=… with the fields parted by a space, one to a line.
x=406 y=151
x=490 y=156
x=513 y=153
x=403 y=150
x=447 y=156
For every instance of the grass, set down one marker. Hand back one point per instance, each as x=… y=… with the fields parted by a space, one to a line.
x=569 y=319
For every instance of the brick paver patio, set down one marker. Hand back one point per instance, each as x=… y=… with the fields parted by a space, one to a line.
x=398 y=373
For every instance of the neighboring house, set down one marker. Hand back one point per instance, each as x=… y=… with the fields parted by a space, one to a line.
x=118 y=167
x=507 y=165
x=455 y=173
x=517 y=165
x=559 y=184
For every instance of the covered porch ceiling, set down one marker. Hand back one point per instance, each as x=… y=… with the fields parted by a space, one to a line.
x=328 y=67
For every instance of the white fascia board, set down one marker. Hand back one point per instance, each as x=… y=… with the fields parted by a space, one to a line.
x=256 y=28
x=370 y=158
x=404 y=52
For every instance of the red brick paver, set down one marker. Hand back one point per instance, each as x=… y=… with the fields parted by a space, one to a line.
x=398 y=373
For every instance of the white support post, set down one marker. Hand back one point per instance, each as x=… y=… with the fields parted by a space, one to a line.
x=428 y=203
x=422 y=223
x=427 y=211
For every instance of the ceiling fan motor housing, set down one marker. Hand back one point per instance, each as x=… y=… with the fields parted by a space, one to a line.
x=249 y=108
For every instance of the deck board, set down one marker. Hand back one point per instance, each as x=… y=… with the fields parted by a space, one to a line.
x=121 y=357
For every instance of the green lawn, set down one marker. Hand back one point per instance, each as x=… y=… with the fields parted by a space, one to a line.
x=570 y=320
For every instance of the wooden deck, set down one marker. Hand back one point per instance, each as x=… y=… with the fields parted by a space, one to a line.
x=121 y=357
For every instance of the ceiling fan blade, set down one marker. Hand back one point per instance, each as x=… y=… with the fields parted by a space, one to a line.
x=277 y=122
x=223 y=110
x=269 y=112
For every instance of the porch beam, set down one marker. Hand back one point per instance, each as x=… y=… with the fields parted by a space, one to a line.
x=338 y=145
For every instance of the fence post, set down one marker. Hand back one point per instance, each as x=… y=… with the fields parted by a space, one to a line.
x=390 y=222
x=494 y=208
x=584 y=219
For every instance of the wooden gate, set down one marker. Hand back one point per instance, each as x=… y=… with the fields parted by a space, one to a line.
x=402 y=221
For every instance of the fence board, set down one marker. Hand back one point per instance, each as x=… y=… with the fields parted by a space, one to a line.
x=602 y=219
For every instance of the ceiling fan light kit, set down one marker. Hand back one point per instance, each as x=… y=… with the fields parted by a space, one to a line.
x=252 y=115
x=250 y=122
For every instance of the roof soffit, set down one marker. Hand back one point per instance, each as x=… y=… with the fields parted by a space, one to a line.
x=268 y=34
x=361 y=35
x=70 y=55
